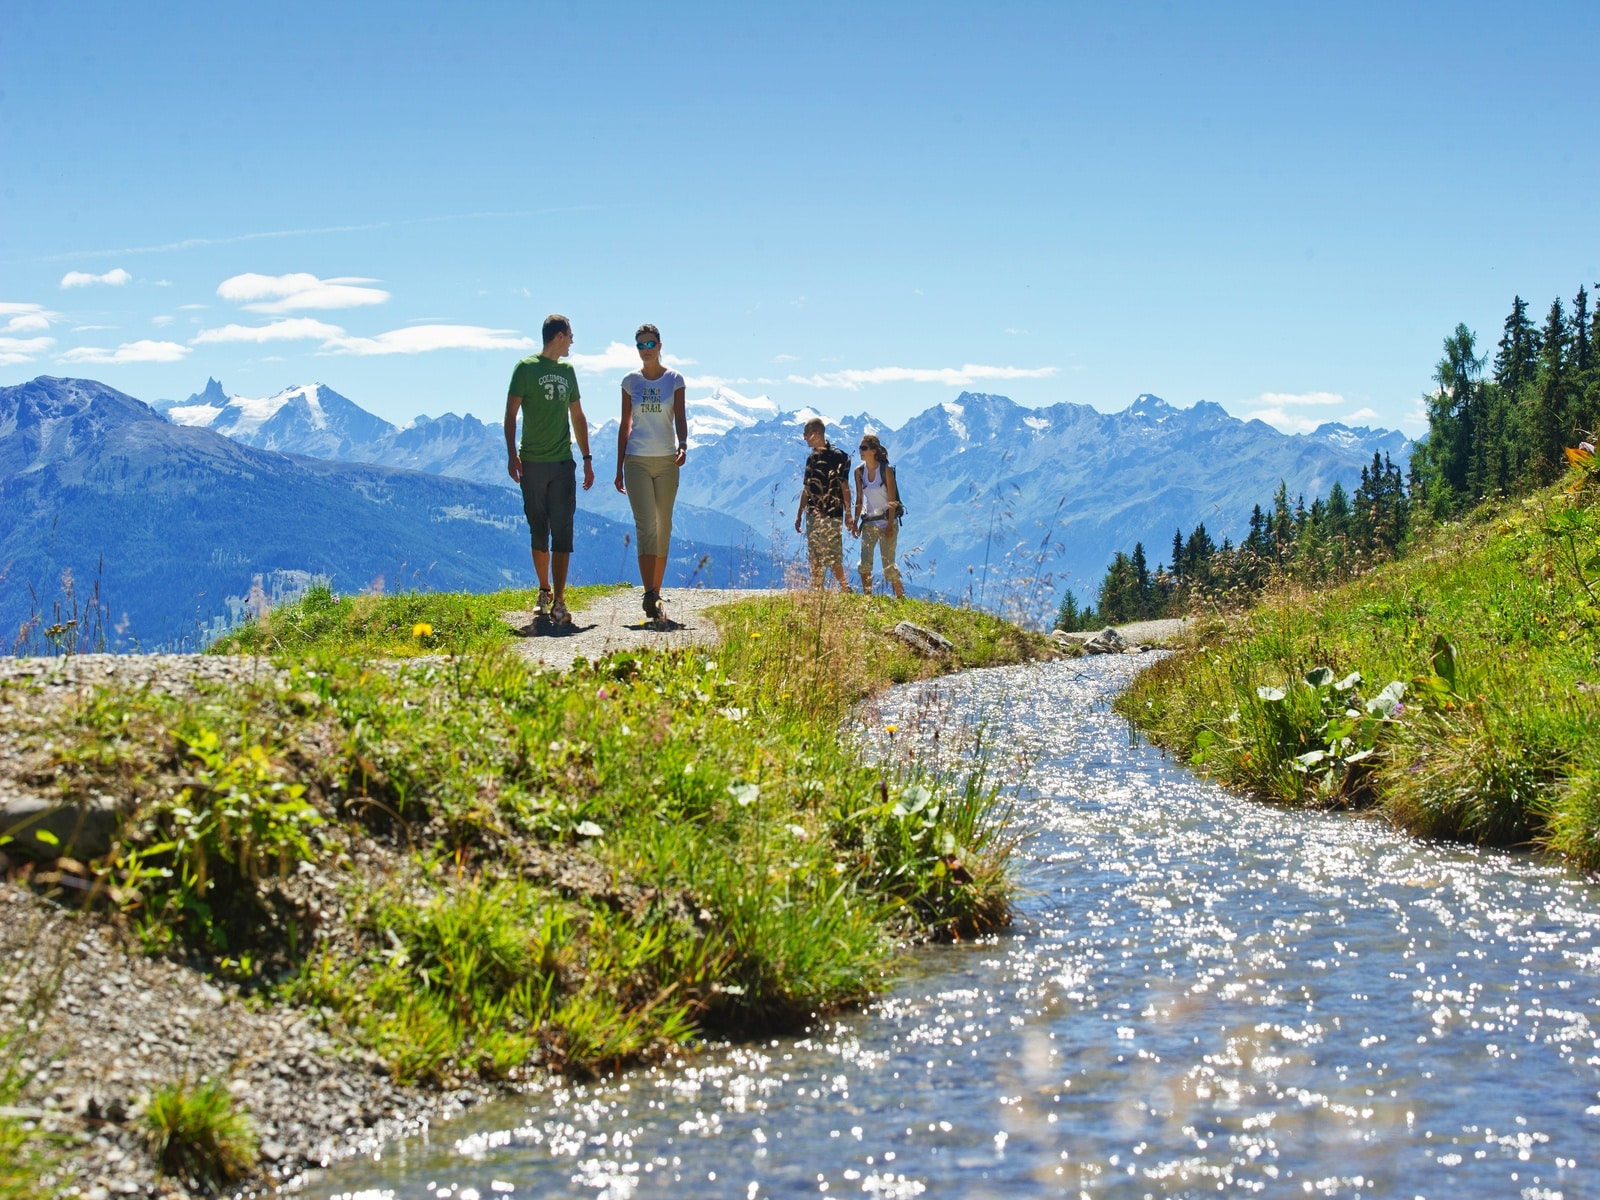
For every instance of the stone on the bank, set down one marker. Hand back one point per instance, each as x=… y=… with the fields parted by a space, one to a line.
x=1107 y=641
x=83 y=829
x=923 y=641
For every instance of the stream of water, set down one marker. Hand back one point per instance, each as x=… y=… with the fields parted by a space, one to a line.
x=1201 y=995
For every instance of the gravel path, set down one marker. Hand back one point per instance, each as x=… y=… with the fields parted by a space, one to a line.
x=617 y=622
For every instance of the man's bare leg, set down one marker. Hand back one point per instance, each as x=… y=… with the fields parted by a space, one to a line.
x=558 y=569
x=541 y=568
x=838 y=573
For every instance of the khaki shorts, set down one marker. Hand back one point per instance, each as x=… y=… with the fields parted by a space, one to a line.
x=825 y=540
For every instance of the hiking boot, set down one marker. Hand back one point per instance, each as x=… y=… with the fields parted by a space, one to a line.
x=559 y=614
x=652 y=604
x=547 y=600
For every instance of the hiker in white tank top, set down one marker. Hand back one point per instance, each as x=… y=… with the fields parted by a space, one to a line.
x=877 y=513
x=652 y=443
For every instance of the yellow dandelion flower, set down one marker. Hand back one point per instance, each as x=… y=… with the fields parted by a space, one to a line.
x=422 y=630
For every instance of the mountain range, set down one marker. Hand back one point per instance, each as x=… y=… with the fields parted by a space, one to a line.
x=170 y=521
x=1006 y=505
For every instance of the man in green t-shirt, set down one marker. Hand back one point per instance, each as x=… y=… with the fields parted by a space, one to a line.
x=546 y=390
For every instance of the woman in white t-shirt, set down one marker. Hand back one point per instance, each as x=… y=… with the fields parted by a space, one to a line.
x=652 y=441
x=877 y=514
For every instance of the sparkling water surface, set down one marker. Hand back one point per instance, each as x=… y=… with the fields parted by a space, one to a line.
x=1201 y=995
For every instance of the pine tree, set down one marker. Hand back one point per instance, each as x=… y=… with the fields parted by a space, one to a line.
x=1453 y=417
x=1549 y=401
x=1516 y=360
x=1582 y=352
x=1197 y=552
x=1116 y=591
x=1069 y=616
x=1142 y=592
x=1282 y=522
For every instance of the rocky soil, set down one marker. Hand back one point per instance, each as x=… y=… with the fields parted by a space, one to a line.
x=117 y=1024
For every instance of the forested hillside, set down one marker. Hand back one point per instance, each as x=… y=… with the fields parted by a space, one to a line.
x=1494 y=434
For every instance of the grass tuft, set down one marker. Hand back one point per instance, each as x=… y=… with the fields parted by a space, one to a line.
x=197 y=1136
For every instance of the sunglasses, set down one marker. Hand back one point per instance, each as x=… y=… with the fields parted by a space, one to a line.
x=650 y=345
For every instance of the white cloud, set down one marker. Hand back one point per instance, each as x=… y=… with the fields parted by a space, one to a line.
x=420 y=339
x=619 y=356
x=115 y=277
x=1362 y=414
x=854 y=380
x=188 y=307
x=25 y=318
x=288 y=330
x=1276 y=409
x=783 y=358
x=161 y=321
x=1299 y=399
x=286 y=293
x=21 y=350
x=129 y=352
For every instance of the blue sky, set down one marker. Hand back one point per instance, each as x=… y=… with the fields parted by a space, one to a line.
x=859 y=207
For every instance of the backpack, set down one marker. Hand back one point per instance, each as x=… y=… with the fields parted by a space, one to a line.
x=897 y=506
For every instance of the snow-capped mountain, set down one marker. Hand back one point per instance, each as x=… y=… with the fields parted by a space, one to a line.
x=310 y=419
x=714 y=415
x=1002 y=500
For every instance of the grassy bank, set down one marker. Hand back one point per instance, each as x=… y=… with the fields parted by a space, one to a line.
x=479 y=869
x=1457 y=690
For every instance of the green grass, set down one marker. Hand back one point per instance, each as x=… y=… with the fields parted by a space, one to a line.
x=197 y=1136
x=1492 y=628
x=397 y=626
x=542 y=870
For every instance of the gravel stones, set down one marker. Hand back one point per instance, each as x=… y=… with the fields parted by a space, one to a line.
x=116 y=1025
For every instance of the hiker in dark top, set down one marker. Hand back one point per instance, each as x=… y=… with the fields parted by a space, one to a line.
x=825 y=505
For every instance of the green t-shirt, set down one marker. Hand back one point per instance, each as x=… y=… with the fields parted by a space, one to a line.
x=545 y=388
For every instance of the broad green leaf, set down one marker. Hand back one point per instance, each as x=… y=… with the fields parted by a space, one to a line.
x=1319 y=677
x=1385 y=702
x=1444 y=660
x=1271 y=695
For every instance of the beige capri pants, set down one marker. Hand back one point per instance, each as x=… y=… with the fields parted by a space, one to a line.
x=652 y=483
x=884 y=537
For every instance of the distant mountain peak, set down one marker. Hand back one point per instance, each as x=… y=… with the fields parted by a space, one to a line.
x=212 y=393
x=1147 y=404
x=723 y=410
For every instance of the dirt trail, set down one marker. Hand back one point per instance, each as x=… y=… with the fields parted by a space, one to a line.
x=617 y=622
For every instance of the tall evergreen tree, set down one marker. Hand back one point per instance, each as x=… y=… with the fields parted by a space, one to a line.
x=1552 y=418
x=1582 y=347
x=1517 y=359
x=1142 y=592
x=1453 y=417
